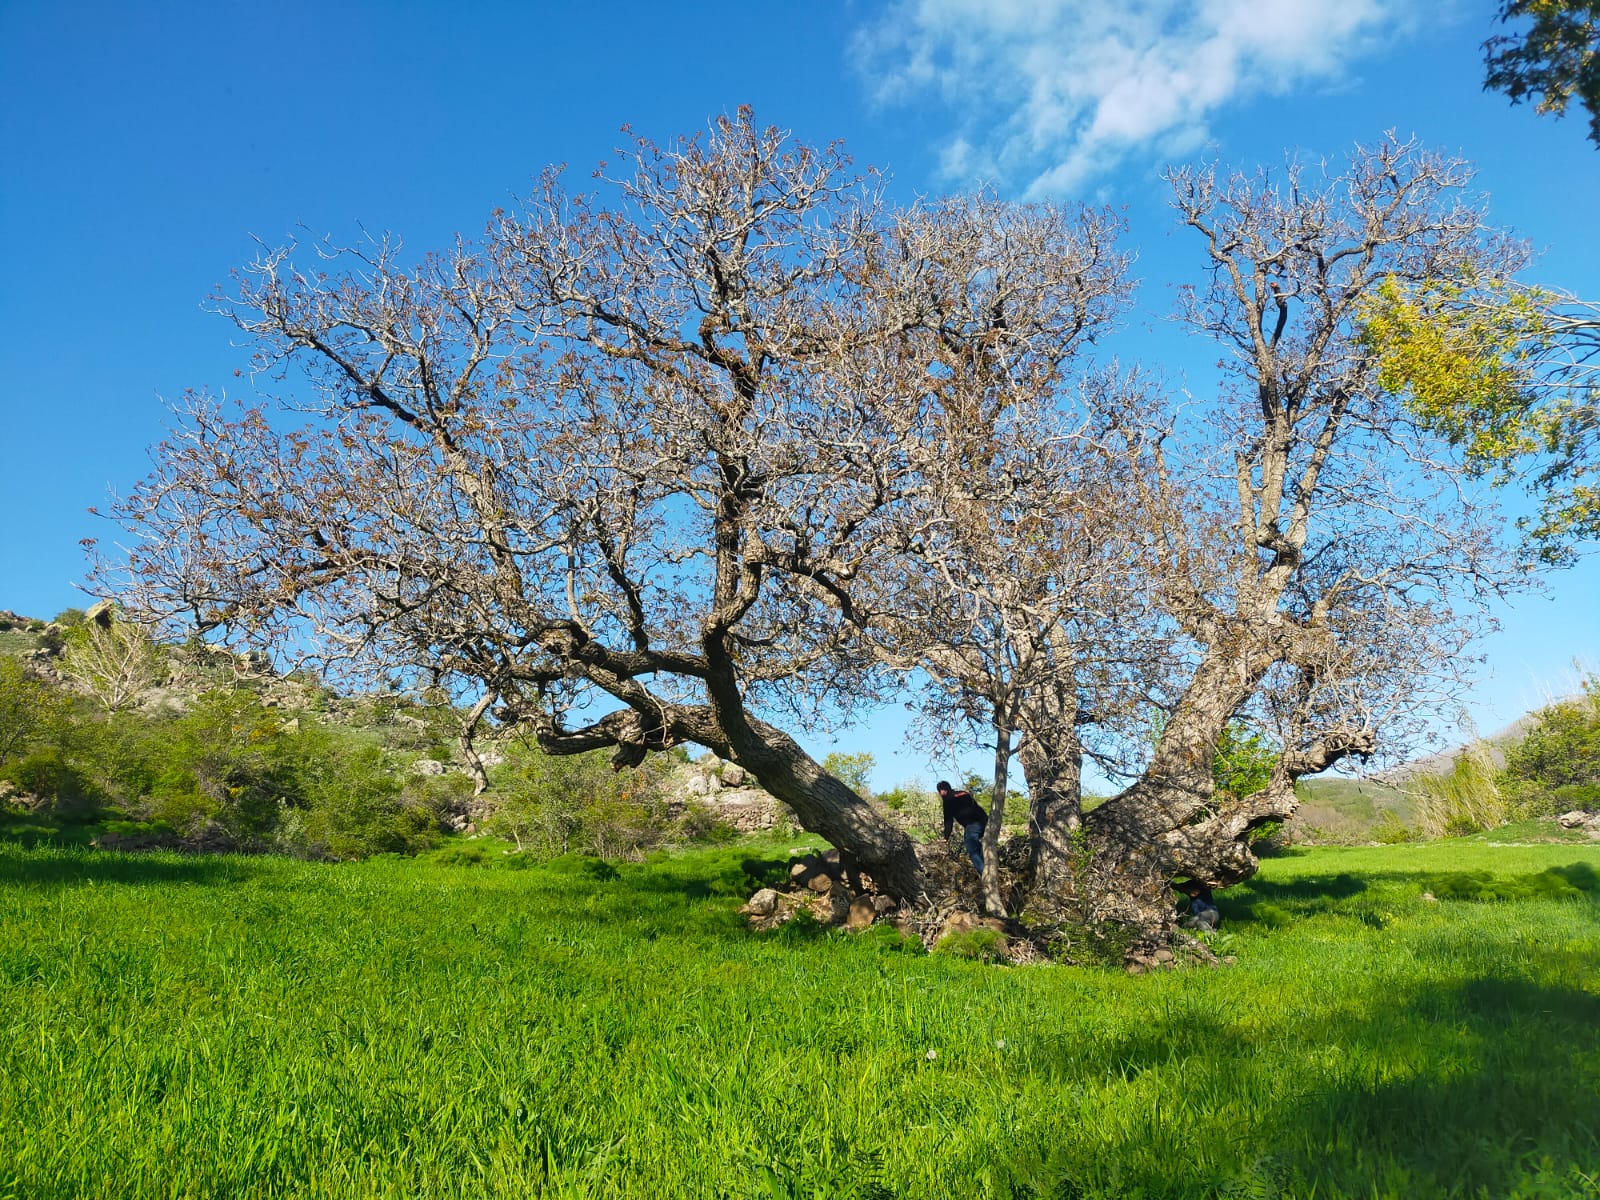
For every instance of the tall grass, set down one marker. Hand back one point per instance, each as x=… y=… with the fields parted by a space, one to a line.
x=225 y=1027
x=1462 y=800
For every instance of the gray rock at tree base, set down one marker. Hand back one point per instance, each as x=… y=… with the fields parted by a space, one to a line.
x=763 y=904
x=884 y=904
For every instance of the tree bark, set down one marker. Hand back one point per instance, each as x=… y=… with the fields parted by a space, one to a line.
x=993 y=902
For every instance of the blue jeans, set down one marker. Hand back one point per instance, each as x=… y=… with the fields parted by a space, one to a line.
x=972 y=843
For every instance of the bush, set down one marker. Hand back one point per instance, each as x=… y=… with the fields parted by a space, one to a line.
x=44 y=773
x=981 y=945
x=1556 y=766
x=1463 y=800
x=1390 y=829
x=552 y=805
x=700 y=823
x=28 y=708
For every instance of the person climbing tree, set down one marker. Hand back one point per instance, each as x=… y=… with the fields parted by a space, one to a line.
x=960 y=808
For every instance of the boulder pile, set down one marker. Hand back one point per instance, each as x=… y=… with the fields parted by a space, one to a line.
x=1588 y=822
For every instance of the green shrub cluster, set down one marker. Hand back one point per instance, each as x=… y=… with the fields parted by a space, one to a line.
x=551 y=806
x=228 y=772
x=1554 y=768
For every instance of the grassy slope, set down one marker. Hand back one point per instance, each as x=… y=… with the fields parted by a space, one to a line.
x=193 y=1027
x=1333 y=808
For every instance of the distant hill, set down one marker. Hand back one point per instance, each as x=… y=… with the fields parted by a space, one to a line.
x=1336 y=808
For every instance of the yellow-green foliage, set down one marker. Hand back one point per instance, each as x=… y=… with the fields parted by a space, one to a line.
x=1479 y=362
x=1556 y=766
x=1459 y=355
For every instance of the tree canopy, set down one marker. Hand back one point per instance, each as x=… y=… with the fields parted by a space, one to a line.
x=1555 y=58
x=732 y=444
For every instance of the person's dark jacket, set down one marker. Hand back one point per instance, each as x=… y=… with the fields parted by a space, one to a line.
x=961 y=809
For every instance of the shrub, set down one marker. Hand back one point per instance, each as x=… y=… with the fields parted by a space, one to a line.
x=1556 y=766
x=551 y=805
x=1390 y=829
x=700 y=823
x=471 y=855
x=1244 y=760
x=44 y=773
x=1463 y=800
x=1272 y=916
x=28 y=707
x=1557 y=883
x=981 y=945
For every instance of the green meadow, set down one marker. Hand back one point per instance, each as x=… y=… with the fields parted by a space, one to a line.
x=188 y=1026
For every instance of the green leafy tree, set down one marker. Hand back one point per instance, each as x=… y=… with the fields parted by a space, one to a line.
x=1510 y=375
x=1556 y=766
x=1554 y=59
x=1244 y=762
x=27 y=705
x=853 y=769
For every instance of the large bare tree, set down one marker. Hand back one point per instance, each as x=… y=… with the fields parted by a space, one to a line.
x=688 y=458
x=1323 y=594
x=621 y=464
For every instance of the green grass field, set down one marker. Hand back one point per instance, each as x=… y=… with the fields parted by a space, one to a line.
x=224 y=1027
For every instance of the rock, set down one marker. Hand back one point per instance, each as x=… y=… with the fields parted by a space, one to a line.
x=955 y=923
x=883 y=904
x=698 y=785
x=1575 y=819
x=1230 y=959
x=820 y=883
x=428 y=766
x=1163 y=955
x=763 y=904
x=861 y=914
x=733 y=775
x=1430 y=898
x=799 y=870
x=747 y=810
x=99 y=613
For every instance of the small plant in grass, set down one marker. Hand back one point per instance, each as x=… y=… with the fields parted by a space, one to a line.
x=1269 y=916
x=980 y=945
x=470 y=855
x=1391 y=830
x=700 y=823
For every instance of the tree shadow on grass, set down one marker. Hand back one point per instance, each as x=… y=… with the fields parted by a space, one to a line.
x=55 y=868
x=699 y=880
x=1488 y=1087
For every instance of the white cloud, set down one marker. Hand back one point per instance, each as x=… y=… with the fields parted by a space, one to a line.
x=1049 y=94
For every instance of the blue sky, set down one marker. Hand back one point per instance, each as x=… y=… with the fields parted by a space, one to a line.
x=145 y=145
